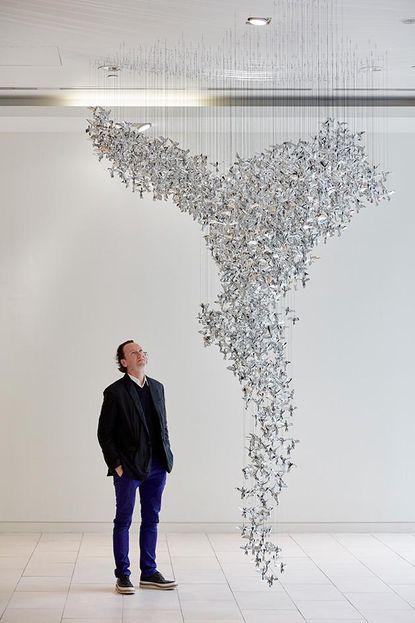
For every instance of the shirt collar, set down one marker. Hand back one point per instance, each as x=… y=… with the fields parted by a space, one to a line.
x=135 y=379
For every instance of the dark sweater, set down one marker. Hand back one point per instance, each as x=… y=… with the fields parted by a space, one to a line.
x=152 y=421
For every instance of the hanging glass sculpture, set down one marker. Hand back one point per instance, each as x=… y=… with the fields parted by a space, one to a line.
x=262 y=219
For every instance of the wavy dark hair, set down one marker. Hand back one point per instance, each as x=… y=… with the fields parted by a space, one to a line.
x=120 y=355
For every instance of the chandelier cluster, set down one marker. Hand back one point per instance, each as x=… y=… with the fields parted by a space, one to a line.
x=261 y=220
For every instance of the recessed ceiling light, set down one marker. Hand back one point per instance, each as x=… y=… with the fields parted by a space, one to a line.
x=408 y=20
x=142 y=127
x=258 y=21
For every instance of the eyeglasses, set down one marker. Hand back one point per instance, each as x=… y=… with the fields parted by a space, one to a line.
x=139 y=352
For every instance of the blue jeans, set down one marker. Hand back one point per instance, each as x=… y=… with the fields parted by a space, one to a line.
x=151 y=490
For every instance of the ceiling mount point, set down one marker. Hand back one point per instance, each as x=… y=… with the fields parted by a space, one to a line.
x=371 y=68
x=110 y=68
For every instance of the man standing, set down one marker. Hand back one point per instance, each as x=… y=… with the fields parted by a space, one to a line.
x=133 y=435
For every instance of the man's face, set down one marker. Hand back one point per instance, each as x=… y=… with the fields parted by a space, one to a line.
x=134 y=356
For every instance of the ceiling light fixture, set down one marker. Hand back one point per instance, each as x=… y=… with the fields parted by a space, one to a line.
x=142 y=127
x=258 y=21
x=408 y=20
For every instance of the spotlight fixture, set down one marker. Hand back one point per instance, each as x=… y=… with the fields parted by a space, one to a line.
x=258 y=21
x=408 y=20
x=142 y=127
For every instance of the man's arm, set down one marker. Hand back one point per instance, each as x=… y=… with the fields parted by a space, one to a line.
x=106 y=427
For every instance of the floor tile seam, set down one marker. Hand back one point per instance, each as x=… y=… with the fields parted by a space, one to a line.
x=71 y=578
x=328 y=577
x=21 y=575
x=177 y=588
x=226 y=577
x=230 y=588
x=392 y=550
x=281 y=573
x=371 y=570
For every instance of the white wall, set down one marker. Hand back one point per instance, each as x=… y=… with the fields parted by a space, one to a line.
x=85 y=264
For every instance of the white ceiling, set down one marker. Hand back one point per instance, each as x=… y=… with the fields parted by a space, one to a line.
x=49 y=46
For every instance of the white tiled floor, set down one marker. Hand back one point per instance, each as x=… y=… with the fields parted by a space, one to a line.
x=68 y=578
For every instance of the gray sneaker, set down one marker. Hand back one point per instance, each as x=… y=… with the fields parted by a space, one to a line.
x=157 y=581
x=124 y=586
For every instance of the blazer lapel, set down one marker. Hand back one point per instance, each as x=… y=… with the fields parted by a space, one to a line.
x=155 y=397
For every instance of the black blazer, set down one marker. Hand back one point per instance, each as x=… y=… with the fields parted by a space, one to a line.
x=122 y=431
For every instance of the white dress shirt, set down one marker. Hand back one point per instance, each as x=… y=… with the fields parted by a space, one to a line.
x=136 y=380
